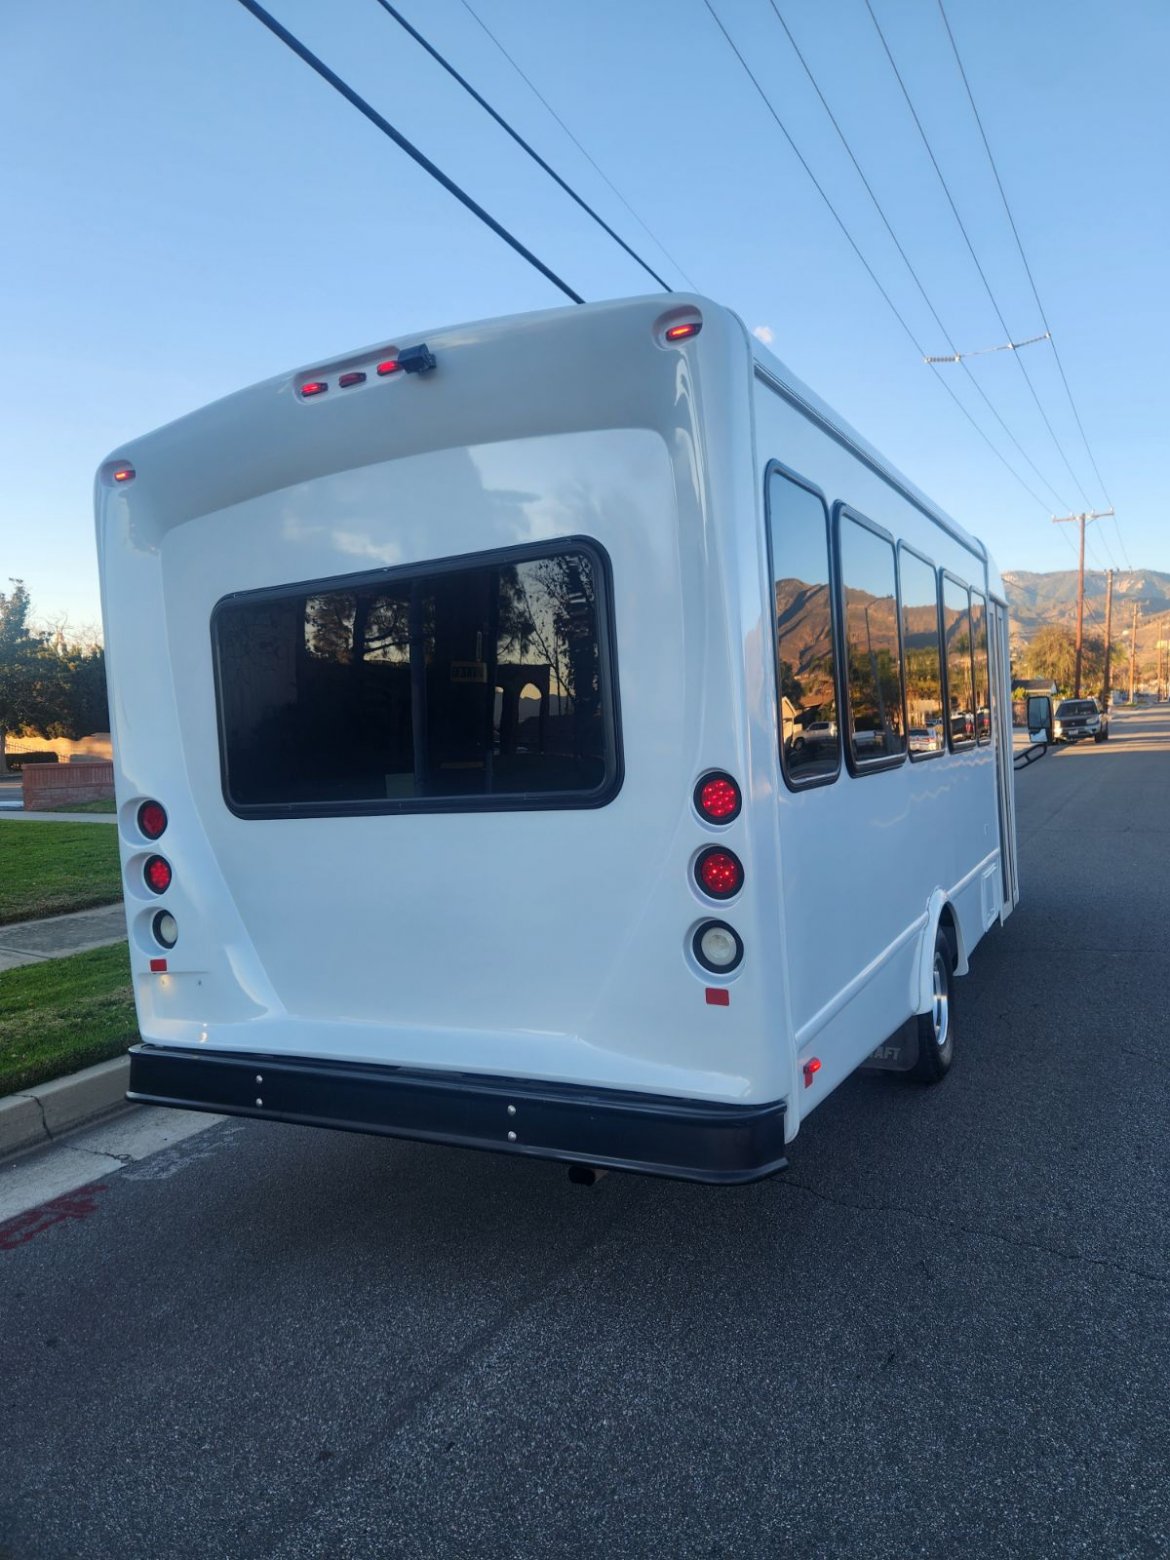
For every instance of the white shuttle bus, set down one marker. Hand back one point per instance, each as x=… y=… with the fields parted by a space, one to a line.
x=562 y=735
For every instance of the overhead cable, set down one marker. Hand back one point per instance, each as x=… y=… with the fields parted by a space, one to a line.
x=601 y=173
x=518 y=138
x=1031 y=279
x=971 y=247
x=387 y=129
x=870 y=272
x=956 y=355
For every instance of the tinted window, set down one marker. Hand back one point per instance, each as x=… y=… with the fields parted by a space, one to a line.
x=805 y=669
x=435 y=687
x=1072 y=707
x=960 y=686
x=982 y=670
x=873 y=666
x=922 y=656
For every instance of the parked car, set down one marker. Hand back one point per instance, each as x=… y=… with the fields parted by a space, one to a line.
x=1076 y=718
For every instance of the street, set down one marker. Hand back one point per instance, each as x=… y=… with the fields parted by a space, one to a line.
x=942 y=1332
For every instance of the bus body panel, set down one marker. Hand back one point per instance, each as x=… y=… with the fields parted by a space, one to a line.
x=548 y=944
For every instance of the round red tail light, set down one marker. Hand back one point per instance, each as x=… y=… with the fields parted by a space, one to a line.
x=158 y=874
x=152 y=819
x=719 y=873
x=717 y=798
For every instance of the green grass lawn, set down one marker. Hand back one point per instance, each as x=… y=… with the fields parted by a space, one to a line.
x=107 y=804
x=52 y=868
x=64 y=1014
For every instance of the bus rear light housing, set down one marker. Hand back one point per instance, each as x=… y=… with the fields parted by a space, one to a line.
x=719 y=873
x=157 y=874
x=717 y=947
x=152 y=820
x=165 y=929
x=717 y=798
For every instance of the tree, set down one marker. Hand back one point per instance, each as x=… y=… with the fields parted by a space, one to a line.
x=53 y=689
x=1052 y=653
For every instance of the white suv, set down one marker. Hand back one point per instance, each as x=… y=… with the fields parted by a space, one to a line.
x=1080 y=718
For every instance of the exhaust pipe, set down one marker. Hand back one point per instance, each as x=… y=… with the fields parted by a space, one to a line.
x=586 y=1175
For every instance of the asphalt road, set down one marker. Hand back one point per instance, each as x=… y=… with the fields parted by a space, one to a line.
x=943 y=1333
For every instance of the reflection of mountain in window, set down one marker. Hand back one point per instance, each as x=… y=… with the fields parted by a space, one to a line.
x=873 y=656
x=805 y=672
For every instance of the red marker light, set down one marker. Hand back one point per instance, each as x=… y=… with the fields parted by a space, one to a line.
x=315 y=387
x=356 y=378
x=811 y=1068
x=717 y=798
x=718 y=996
x=719 y=873
x=124 y=474
x=390 y=366
x=152 y=819
x=684 y=332
x=158 y=874
x=158 y=966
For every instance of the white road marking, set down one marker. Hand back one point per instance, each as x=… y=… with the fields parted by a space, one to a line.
x=94 y=1153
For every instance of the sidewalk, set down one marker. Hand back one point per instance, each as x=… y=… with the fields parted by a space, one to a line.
x=32 y=942
x=7 y=810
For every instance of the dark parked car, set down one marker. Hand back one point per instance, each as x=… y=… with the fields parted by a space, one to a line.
x=1080 y=718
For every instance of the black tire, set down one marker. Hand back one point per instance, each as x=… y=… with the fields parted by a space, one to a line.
x=936 y=1027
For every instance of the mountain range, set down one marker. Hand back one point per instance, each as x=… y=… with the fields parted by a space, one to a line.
x=1037 y=600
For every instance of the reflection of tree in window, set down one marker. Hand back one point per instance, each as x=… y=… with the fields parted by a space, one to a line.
x=871 y=643
x=474 y=679
x=960 y=690
x=805 y=672
x=982 y=668
x=922 y=654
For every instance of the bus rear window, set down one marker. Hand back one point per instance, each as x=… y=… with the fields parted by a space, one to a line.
x=486 y=682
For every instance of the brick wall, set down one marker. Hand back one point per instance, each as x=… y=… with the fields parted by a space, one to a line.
x=58 y=785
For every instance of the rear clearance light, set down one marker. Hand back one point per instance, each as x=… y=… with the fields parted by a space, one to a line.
x=718 y=947
x=684 y=332
x=315 y=387
x=124 y=474
x=390 y=366
x=811 y=1068
x=719 y=873
x=152 y=819
x=356 y=378
x=717 y=798
x=157 y=873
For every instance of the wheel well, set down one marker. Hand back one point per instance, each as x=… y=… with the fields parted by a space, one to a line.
x=946 y=925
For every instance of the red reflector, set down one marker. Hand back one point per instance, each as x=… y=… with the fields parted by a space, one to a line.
x=719 y=873
x=718 y=996
x=315 y=387
x=158 y=874
x=124 y=474
x=684 y=332
x=811 y=1068
x=390 y=366
x=718 y=798
x=351 y=379
x=152 y=819
x=158 y=966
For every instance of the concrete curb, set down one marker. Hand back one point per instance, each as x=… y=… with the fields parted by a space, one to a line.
x=44 y=1112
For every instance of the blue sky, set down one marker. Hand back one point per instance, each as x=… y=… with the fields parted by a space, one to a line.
x=190 y=209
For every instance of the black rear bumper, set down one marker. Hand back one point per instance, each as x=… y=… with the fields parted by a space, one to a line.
x=694 y=1140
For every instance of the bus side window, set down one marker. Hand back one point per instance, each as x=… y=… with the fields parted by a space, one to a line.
x=956 y=605
x=922 y=651
x=873 y=655
x=806 y=673
x=982 y=668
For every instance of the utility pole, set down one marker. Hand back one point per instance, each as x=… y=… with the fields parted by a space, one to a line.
x=1108 y=636
x=1082 y=519
x=1133 y=655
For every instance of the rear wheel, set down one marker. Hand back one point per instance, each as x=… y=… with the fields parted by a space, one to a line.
x=936 y=1034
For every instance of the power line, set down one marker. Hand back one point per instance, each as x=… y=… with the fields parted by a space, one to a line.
x=539 y=95
x=518 y=138
x=956 y=355
x=971 y=248
x=871 y=273
x=1031 y=279
x=387 y=129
